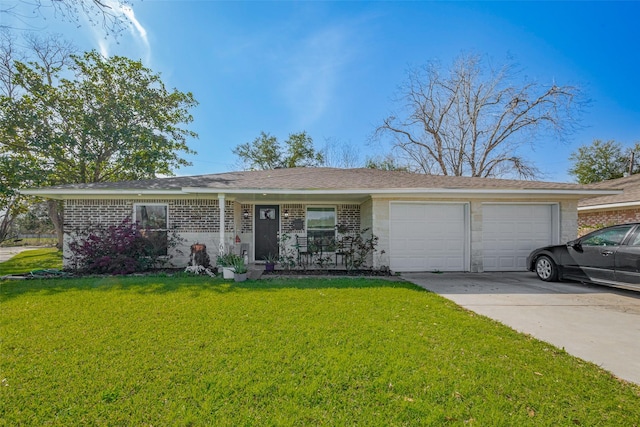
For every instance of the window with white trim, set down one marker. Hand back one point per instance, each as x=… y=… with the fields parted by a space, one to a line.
x=321 y=225
x=153 y=220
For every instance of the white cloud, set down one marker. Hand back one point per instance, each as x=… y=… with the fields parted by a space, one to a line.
x=136 y=31
x=313 y=72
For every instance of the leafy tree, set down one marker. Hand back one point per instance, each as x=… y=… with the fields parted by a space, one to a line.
x=265 y=152
x=386 y=163
x=472 y=119
x=601 y=161
x=113 y=121
x=12 y=174
x=50 y=53
x=36 y=220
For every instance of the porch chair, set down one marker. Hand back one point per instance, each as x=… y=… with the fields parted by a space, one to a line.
x=303 y=249
x=344 y=249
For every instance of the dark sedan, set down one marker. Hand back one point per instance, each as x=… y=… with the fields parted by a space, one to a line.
x=609 y=256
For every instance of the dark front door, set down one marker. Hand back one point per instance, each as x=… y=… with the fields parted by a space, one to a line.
x=267 y=218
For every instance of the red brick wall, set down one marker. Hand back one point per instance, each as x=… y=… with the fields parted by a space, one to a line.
x=608 y=217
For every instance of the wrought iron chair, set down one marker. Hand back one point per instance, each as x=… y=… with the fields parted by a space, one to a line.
x=302 y=246
x=344 y=249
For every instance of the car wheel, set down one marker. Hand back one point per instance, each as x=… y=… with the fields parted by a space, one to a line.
x=546 y=269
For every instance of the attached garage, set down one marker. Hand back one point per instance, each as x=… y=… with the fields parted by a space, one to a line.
x=511 y=231
x=428 y=236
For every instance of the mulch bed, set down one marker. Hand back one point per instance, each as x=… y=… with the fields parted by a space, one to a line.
x=48 y=274
x=326 y=272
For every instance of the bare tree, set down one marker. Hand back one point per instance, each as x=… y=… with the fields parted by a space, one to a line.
x=107 y=14
x=472 y=120
x=9 y=54
x=339 y=154
x=51 y=53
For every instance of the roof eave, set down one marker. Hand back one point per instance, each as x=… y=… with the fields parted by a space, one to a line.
x=60 y=193
x=620 y=205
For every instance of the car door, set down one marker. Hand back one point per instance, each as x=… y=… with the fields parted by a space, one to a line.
x=627 y=261
x=593 y=256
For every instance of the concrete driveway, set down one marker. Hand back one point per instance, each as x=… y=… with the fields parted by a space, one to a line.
x=594 y=323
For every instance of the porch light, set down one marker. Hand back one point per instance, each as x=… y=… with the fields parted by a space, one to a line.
x=245 y=214
x=286 y=213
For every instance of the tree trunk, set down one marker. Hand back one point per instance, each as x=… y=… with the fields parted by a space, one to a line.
x=57 y=218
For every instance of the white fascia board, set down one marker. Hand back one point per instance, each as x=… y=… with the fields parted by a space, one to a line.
x=403 y=191
x=60 y=193
x=609 y=206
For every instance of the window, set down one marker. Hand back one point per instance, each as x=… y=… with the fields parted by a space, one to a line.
x=635 y=240
x=267 y=213
x=153 y=219
x=607 y=237
x=321 y=225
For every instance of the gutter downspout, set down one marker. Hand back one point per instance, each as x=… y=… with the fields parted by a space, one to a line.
x=221 y=203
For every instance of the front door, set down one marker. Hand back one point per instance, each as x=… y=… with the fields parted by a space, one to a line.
x=267 y=219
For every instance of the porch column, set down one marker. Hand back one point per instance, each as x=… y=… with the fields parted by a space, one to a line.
x=221 y=206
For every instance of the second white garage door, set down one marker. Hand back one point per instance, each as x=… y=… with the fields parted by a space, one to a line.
x=428 y=237
x=511 y=231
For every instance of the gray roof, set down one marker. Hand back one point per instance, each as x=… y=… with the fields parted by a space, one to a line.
x=629 y=196
x=317 y=181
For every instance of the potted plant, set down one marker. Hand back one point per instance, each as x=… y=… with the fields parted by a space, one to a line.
x=240 y=270
x=227 y=263
x=270 y=262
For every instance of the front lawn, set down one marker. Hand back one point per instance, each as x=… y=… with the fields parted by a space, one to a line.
x=193 y=351
x=33 y=259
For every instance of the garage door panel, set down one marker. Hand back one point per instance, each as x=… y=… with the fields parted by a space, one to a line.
x=511 y=232
x=427 y=237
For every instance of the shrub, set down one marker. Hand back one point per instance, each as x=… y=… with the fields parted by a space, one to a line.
x=360 y=254
x=118 y=249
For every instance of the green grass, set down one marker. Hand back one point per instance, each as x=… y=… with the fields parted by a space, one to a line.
x=33 y=259
x=190 y=351
x=30 y=241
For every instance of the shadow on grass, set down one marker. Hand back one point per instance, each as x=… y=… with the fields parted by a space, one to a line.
x=166 y=284
x=32 y=259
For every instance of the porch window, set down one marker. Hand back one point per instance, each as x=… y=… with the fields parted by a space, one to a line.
x=153 y=219
x=321 y=223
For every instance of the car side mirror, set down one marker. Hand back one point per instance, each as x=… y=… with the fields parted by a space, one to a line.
x=575 y=244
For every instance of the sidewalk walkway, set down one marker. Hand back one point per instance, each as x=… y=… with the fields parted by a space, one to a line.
x=7 y=253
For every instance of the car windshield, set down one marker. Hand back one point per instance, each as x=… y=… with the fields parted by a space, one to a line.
x=608 y=237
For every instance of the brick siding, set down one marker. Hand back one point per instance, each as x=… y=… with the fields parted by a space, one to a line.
x=346 y=215
x=349 y=217
x=607 y=217
x=184 y=215
x=192 y=216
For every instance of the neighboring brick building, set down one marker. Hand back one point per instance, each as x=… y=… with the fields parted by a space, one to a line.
x=613 y=209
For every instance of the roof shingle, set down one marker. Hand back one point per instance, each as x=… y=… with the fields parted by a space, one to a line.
x=320 y=179
x=629 y=184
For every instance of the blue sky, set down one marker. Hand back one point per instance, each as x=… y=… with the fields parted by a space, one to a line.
x=332 y=68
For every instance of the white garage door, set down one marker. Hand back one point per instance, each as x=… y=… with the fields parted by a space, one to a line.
x=427 y=237
x=511 y=232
